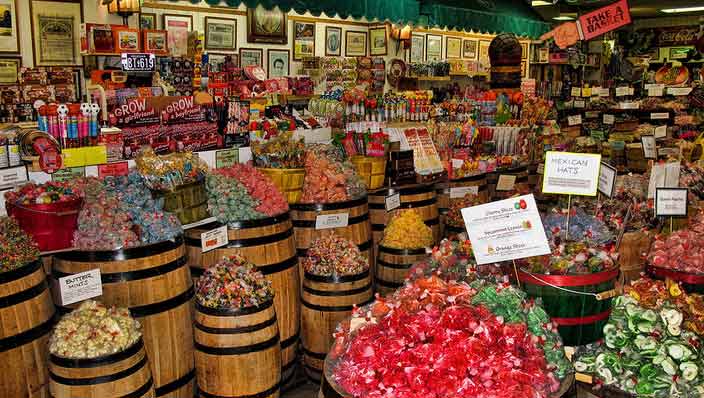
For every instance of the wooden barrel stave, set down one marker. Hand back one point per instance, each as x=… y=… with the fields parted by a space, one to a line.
x=238 y=352
x=634 y=245
x=26 y=318
x=124 y=374
x=392 y=267
x=155 y=284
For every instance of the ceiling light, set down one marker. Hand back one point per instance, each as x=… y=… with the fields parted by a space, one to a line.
x=564 y=18
x=682 y=9
x=538 y=3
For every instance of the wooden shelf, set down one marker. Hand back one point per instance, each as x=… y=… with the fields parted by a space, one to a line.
x=433 y=78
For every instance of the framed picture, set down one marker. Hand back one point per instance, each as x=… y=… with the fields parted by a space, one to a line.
x=220 y=34
x=266 y=26
x=333 y=41
x=155 y=42
x=417 y=55
x=355 y=44
x=221 y=58
x=679 y=52
x=433 y=47
x=56 y=28
x=484 y=49
x=9 y=34
x=524 y=69
x=378 y=41
x=178 y=26
x=453 y=47
x=469 y=49
x=147 y=21
x=251 y=57
x=9 y=67
x=303 y=40
x=278 y=63
x=127 y=40
x=543 y=55
x=524 y=50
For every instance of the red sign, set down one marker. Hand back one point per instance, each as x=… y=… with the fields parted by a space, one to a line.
x=604 y=19
x=113 y=169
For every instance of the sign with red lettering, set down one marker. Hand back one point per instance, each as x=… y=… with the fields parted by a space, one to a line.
x=113 y=169
x=604 y=20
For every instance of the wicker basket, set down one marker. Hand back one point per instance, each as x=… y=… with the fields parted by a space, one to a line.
x=370 y=169
x=289 y=182
x=189 y=202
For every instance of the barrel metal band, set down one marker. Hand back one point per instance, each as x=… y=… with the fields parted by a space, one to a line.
x=446 y=191
x=27 y=336
x=196 y=272
x=239 y=330
x=122 y=254
x=116 y=277
x=176 y=384
x=162 y=306
x=278 y=267
x=328 y=206
x=350 y=221
x=388 y=284
x=394 y=266
x=313 y=354
x=336 y=278
x=97 y=362
x=335 y=308
x=234 y=312
x=20 y=272
x=406 y=205
x=404 y=191
x=260 y=222
x=141 y=391
x=430 y=223
x=248 y=242
x=291 y=340
x=91 y=381
x=24 y=295
x=337 y=293
x=248 y=349
x=262 y=394
x=362 y=247
x=402 y=252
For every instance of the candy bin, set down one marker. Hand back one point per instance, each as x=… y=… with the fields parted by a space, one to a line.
x=370 y=169
x=281 y=159
x=48 y=212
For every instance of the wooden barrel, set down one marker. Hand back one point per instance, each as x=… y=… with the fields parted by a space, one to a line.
x=326 y=301
x=392 y=267
x=457 y=188
x=153 y=281
x=123 y=374
x=580 y=317
x=268 y=243
x=357 y=229
x=420 y=197
x=631 y=252
x=521 y=181
x=691 y=283
x=26 y=318
x=237 y=352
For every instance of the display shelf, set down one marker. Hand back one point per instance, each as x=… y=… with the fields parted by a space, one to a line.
x=432 y=78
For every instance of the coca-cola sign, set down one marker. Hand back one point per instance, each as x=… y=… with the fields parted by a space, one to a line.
x=677 y=36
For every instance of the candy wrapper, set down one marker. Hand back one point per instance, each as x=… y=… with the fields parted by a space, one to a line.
x=280 y=152
x=454 y=213
x=49 y=192
x=328 y=177
x=166 y=172
x=453 y=260
x=334 y=255
x=583 y=227
x=683 y=250
x=16 y=247
x=406 y=230
x=449 y=339
x=572 y=258
x=233 y=283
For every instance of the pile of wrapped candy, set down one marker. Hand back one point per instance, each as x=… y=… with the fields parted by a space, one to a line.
x=46 y=193
x=449 y=339
x=573 y=258
x=454 y=213
x=583 y=227
x=334 y=255
x=683 y=250
x=406 y=230
x=646 y=353
x=166 y=172
x=453 y=260
x=16 y=247
x=119 y=212
x=241 y=192
x=93 y=330
x=328 y=177
x=280 y=152
x=233 y=283
x=692 y=177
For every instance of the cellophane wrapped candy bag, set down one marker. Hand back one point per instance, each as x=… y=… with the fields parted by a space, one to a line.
x=280 y=152
x=682 y=250
x=329 y=178
x=453 y=260
x=167 y=172
x=434 y=338
x=233 y=283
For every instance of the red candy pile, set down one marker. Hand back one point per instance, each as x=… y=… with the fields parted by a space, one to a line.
x=259 y=187
x=681 y=251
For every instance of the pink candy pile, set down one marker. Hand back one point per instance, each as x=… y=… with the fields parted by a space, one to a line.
x=259 y=187
x=681 y=251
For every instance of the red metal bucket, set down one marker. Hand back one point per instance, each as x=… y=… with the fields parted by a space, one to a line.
x=51 y=225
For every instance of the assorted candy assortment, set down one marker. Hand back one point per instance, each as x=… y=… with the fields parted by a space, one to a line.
x=583 y=227
x=329 y=178
x=334 y=255
x=453 y=260
x=406 y=230
x=573 y=258
x=42 y=194
x=280 y=152
x=231 y=284
x=94 y=330
x=241 y=192
x=683 y=250
x=454 y=213
x=16 y=247
x=449 y=339
x=167 y=172
x=646 y=352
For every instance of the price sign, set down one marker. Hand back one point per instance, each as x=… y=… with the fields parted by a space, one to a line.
x=655 y=90
x=659 y=116
x=622 y=91
x=541 y=169
x=113 y=169
x=213 y=239
x=457 y=163
x=579 y=103
x=226 y=157
x=574 y=120
x=138 y=62
x=392 y=201
x=629 y=105
x=671 y=202
x=660 y=132
x=569 y=173
x=678 y=91
x=576 y=91
x=597 y=135
x=80 y=286
x=460 y=192
x=604 y=92
x=69 y=173
x=506 y=182
x=326 y=221
x=607 y=179
x=650 y=150
x=591 y=114
x=609 y=119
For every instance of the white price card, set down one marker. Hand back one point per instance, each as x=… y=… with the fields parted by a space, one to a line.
x=460 y=192
x=650 y=150
x=506 y=182
x=678 y=91
x=655 y=90
x=609 y=119
x=576 y=92
x=505 y=230
x=574 y=120
x=457 y=163
x=326 y=221
x=659 y=116
x=604 y=92
x=671 y=202
x=12 y=176
x=570 y=173
x=80 y=286
x=213 y=239
x=392 y=201
x=622 y=91
x=629 y=105
x=579 y=103
x=660 y=131
x=607 y=179
x=541 y=168
x=591 y=114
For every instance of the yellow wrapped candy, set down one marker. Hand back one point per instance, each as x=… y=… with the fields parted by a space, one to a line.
x=406 y=230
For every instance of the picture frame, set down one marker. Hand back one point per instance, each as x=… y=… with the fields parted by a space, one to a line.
x=155 y=41
x=678 y=52
x=147 y=21
x=267 y=26
x=251 y=56
x=355 y=43
x=9 y=32
x=56 y=32
x=524 y=69
x=484 y=49
x=127 y=40
x=9 y=68
x=433 y=48
x=220 y=34
x=178 y=26
x=303 y=40
x=217 y=58
x=469 y=49
x=378 y=41
x=453 y=47
x=524 y=50
x=278 y=63
x=417 y=50
x=543 y=55
x=333 y=41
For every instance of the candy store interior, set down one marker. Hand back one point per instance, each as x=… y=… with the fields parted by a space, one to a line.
x=344 y=199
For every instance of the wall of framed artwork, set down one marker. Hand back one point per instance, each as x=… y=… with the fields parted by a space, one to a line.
x=9 y=28
x=453 y=47
x=303 y=40
x=251 y=56
x=220 y=34
x=278 y=63
x=355 y=43
x=267 y=26
x=378 y=41
x=56 y=26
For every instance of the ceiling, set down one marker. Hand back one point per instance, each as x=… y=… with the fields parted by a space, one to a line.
x=639 y=8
